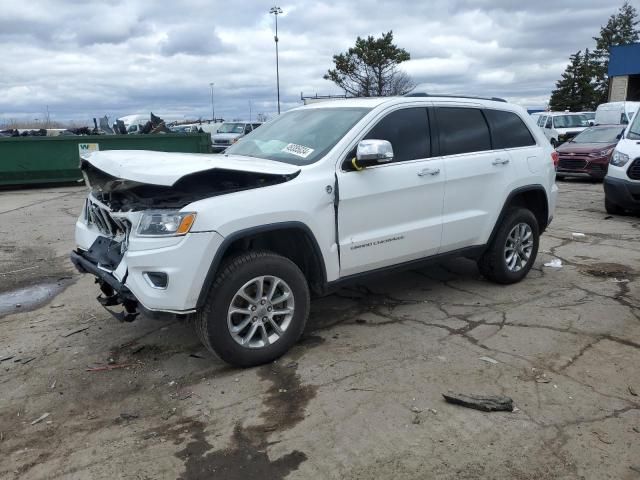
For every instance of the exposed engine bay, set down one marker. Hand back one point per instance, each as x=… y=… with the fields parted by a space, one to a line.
x=123 y=195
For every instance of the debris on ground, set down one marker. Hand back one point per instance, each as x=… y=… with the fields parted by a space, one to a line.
x=25 y=360
x=632 y=391
x=415 y=409
x=109 y=367
x=602 y=437
x=486 y=403
x=8 y=357
x=555 y=263
x=416 y=419
x=40 y=418
x=129 y=416
x=73 y=332
x=620 y=280
x=578 y=235
x=488 y=360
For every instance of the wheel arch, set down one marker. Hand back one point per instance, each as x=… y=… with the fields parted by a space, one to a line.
x=293 y=240
x=532 y=197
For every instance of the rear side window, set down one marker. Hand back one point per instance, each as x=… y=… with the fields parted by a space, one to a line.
x=508 y=130
x=462 y=130
x=541 y=121
x=548 y=124
x=408 y=132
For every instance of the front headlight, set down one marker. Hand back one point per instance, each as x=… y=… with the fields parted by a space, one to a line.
x=619 y=159
x=602 y=153
x=153 y=224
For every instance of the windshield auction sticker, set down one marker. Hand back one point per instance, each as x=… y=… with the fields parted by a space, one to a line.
x=298 y=150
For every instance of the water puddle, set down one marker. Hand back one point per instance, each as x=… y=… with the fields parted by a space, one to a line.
x=29 y=298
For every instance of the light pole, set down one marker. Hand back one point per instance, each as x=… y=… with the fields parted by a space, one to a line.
x=277 y=11
x=213 y=112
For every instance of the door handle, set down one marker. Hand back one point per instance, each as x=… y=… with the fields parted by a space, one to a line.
x=500 y=161
x=428 y=171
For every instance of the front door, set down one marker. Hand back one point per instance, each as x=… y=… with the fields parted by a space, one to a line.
x=392 y=213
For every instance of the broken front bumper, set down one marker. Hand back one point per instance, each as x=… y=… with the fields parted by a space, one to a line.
x=182 y=261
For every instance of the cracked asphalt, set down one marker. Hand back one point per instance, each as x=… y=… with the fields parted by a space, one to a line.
x=359 y=397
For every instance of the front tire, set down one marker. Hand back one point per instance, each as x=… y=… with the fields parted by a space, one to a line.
x=514 y=248
x=256 y=309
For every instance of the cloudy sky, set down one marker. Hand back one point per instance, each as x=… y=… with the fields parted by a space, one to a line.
x=85 y=58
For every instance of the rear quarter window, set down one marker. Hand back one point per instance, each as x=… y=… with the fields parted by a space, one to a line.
x=508 y=130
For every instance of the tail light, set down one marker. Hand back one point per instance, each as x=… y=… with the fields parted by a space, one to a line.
x=555 y=157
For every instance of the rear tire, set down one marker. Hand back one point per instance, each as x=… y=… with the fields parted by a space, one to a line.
x=612 y=208
x=514 y=248
x=244 y=286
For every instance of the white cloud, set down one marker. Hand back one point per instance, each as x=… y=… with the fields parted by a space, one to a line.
x=90 y=58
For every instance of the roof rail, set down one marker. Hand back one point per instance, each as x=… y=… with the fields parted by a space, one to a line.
x=424 y=94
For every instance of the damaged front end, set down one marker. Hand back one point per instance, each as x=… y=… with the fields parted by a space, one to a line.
x=128 y=195
x=154 y=269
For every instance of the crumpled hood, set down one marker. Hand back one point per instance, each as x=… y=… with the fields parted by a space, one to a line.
x=166 y=168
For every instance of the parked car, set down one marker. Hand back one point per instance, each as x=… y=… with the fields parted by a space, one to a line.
x=559 y=127
x=229 y=133
x=616 y=113
x=590 y=116
x=588 y=153
x=320 y=196
x=622 y=183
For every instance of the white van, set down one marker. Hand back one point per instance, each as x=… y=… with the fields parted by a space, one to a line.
x=622 y=183
x=560 y=127
x=616 y=113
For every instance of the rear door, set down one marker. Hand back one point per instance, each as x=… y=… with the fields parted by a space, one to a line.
x=476 y=176
x=392 y=213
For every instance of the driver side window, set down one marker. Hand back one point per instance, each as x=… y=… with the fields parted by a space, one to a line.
x=408 y=132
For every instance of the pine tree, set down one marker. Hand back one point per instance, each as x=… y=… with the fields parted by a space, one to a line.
x=575 y=91
x=370 y=68
x=622 y=28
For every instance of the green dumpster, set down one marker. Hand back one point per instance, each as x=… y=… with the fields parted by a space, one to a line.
x=45 y=160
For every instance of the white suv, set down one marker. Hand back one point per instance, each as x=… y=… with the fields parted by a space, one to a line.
x=316 y=198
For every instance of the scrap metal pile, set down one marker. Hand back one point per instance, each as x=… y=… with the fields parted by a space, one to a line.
x=101 y=126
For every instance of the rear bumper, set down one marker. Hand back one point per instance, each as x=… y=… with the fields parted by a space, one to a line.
x=623 y=193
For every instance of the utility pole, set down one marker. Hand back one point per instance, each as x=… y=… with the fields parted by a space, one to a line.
x=277 y=11
x=213 y=111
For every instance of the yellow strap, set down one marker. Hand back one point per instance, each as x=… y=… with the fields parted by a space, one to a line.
x=355 y=164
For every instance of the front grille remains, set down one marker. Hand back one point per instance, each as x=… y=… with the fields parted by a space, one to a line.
x=634 y=170
x=105 y=222
x=571 y=163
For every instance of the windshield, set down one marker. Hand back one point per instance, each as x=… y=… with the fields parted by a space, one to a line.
x=570 y=121
x=590 y=115
x=598 y=135
x=231 y=128
x=634 y=129
x=299 y=137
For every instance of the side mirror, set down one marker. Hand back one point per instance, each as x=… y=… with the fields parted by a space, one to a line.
x=591 y=123
x=370 y=153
